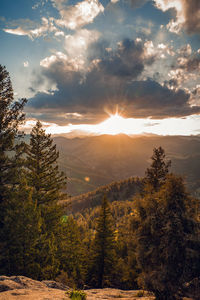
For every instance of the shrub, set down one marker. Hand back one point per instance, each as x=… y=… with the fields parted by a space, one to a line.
x=77 y=295
x=140 y=294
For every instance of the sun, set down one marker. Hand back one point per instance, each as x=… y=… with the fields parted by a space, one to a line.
x=115 y=124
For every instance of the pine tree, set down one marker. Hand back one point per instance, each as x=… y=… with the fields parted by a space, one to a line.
x=71 y=252
x=44 y=175
x=162 y=235
x=103 y=248
x=156 y=174
x=11 y=116
x=21 y=233
x=47 y=183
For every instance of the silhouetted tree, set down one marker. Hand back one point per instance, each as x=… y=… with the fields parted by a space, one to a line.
x=156 y=174
x=11 y=116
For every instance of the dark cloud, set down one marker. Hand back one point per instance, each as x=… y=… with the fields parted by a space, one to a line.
x=172 y=83
x=111 y=80
x=149 y=98
x=126 y=62
x=192 y=15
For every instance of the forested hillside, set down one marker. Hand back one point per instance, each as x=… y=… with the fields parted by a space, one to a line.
x=116 y=191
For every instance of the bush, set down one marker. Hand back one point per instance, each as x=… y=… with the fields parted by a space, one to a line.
x=77 y=295
x=140 y=294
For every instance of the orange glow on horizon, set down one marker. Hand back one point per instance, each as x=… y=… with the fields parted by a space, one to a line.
x=116 y=124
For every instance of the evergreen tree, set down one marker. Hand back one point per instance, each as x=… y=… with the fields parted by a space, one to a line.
x=44 y=175
x=156 y=174
x=162 y=235
x=104 y=256
x=47 y=183
x=21 y=233
x=71 y=252
x=11 y=116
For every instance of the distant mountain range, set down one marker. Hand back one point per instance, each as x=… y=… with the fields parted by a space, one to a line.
x=90 y=162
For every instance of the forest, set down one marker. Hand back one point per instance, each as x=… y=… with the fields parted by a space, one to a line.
x=140 y=233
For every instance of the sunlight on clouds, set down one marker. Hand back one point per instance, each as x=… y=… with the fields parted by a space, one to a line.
x=46 y=62
x=17 y=31
x=47 y=26
x=77 y=44
x=82 y=13
x=174 y=25
x=116 y=124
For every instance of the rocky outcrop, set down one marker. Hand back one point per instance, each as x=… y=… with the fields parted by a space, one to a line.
x=23 y=288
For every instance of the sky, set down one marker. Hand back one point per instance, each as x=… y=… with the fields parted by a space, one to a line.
x=105 y=66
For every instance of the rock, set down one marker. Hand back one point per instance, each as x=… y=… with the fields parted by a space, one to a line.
x=21 y=287
x=55 y=285
x=6 y=284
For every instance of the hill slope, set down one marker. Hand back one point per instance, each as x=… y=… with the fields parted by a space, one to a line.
x=116 y=191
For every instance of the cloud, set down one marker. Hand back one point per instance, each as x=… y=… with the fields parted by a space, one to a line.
x=111 y=80
x=26 y=64
x=30 y=29
x=17 y=31
x=149 y=98
x=127 y=62
x=190 y=64
x=192 y=15
x=60 y=59
x=185 y=50
x=46 y=62
x=114 y=1
x=187 y=62
x=79 y=15
x=187 y=14
x=77 y=44
x=59 y=33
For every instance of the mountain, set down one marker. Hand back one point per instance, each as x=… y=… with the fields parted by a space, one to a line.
x=94 y=161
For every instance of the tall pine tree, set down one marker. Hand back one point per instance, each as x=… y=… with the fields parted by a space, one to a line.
x=44 y=175
x=11 y=116
x=47 y=183
x=102 y=270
